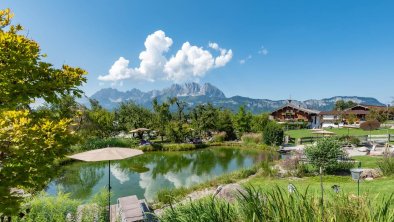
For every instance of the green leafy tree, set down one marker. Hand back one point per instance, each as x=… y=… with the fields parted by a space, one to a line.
x=225 y=124
x=342 y=105
x=242 y=121
x=29 y=143
x=131 y=116
x=325 y=154
x=177 y=132
x=162 y=116
x=273 y=134
x=100 y=122
x=259 y=122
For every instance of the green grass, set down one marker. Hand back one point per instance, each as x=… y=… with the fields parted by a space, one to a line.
x=277 y=204
x=368 y=161
x=377 y=188
x=340 y=132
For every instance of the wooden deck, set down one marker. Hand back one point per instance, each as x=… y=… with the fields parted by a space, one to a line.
x=132 y=209
x=114 y=213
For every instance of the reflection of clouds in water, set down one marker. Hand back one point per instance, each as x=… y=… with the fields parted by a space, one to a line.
x=119 y=174
x=184 y=178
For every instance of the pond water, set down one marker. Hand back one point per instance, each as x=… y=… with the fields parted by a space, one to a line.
x=145 y=175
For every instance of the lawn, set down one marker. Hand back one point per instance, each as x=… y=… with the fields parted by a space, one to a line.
x=368 y=161
x=340 y=131
x=377 y=188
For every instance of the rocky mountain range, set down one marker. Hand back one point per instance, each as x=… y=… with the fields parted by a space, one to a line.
x=194 y=94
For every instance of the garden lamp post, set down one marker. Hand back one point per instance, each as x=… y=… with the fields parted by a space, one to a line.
x=356 y=175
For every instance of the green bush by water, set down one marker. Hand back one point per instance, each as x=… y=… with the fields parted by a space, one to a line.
x=44 y=207
x=252 y=138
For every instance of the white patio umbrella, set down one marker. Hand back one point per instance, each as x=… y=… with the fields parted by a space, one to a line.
x=107 y=154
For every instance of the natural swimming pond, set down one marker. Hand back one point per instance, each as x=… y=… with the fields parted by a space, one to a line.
x=145 y=175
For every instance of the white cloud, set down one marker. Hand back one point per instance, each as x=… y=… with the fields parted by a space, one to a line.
x=263 y=51
x=243 y=61
x=189 y=63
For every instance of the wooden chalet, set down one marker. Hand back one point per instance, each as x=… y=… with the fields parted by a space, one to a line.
x=358 y=113
x=292 y=113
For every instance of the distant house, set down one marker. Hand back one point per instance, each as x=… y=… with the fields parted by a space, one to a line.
x=296 y=115
x=355 y=115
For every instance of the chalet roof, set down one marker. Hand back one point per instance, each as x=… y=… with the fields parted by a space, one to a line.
x=294 y=106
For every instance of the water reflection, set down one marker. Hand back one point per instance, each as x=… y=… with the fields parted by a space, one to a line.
x=146 y=174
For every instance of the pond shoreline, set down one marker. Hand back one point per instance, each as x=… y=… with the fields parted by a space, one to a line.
x=172 y=147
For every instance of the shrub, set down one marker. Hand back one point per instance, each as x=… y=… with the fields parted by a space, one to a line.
x=172 y=147
x=207 y=209
x=43 y=208
x=219 y=137
x=60 y=208
x=325 y=154
x=386 y=165
x=273 y=134
x=278 y=204
x=255 y=138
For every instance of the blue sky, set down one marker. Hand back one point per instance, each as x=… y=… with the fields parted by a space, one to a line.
x=264 y=49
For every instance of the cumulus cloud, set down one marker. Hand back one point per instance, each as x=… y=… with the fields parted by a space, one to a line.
x=189 y=63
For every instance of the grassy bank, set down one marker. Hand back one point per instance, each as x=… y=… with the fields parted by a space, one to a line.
x=264 y=179
x=278 y=204
x=168 y=196
x=339 y=132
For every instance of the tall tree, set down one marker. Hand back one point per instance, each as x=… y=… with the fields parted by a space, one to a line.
x=242 y=121
x=225 y=124
x=131 y=116
x=162 y=116
x=342 y=105
x=29 y=143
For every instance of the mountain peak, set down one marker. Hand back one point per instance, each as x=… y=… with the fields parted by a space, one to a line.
x=195 y=93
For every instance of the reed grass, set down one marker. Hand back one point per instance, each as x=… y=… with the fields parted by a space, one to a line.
x=279 y=204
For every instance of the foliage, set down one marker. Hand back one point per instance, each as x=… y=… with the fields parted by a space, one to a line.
x=273 y=134
x=219 y=137
x=370 y=125
x=205 y=119
x=30 y=140
x=28 y=145
x=97 y=143
x=161 y=117
x=131 y=116
x=386 y=164
x=278 y=204
x=225 y=124
x=252 y=138
x=381 y=115
x=177 y=132
x=259 y=122
x=200 y=211
x=99 y=122
x=325 y=154
x=342 y=105
x=24 y=76
x=172 y=147
x=242 y=121
x=42 y=208
x=62 y=208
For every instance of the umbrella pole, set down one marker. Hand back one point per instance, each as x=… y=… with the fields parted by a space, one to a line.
x=109 y=190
